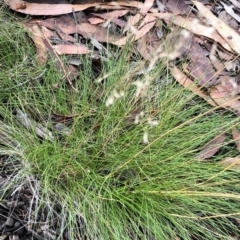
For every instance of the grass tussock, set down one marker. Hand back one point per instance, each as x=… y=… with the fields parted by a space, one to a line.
x=121 y=163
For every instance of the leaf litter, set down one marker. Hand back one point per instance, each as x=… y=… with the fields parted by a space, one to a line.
x=192 y=29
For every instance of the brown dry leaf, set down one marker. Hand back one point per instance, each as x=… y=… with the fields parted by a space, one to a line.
x=79 y=17
x=176 y=44
x=176 y=6
x=232 y=65
x=73 y=72
x=162 y=15
x=96 y=20
x=134 y=20
x=146 y=6
x=196 y=27
x=71 y=49
x=230 y=10
x=65 y=37
x=110 y=17
x=58 y=63
x=212 y=147
x=236 y=138
x=146 y=50
x=230 y=84
x=148 y=45
x=218 y=65
x=148 y=23
x=221 y=95
x=16 y=5
x=38 y=38
x=113 y=17
x=231 y=163
x=121 y=4
x=59 y=7
x=63 y=23
x=230 y=36
x=235 y=3
x=225 y=17
x=99 y=33
x=224 y=55
x=189 y=84
x=119 y=22
x=201 y=67
x=46 y=32
x=112 y=14
x=87 y=30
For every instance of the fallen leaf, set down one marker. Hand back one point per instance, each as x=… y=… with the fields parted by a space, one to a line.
x=133 y=20
x=46 y=32
x=235 y=3
x=189 y=84
x=177 y=7
x=79 y=17
x=119 y=22
x=146 y=6
x=59 y=7
x=230 y=11
x=196 y=27
x=224 y=55
x=149 y=22
x=71 y=49
x=231 y=163
x=218 y=65
x=65 y=37
x=225 y=17
x=230 y=84
x=165 y=15
x=112 y=14
x=232 y=65
x=229 y=35
x=113 y=17
x=73 y=73
x=148 y=44
x=59 y=64
x=236 y=138
x=132 y=23
x=63 y=23
x=121 y=4
x=212 y=147
x=223 y=98
x=87 y=30
x=96 y=20
x=16 y=5
x=200 y=66
x=176 y=44
x=38 y=38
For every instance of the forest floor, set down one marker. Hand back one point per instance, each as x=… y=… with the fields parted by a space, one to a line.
x=119 y=120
